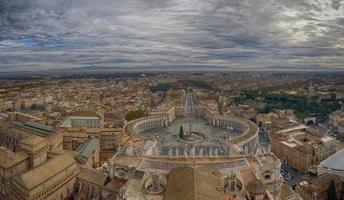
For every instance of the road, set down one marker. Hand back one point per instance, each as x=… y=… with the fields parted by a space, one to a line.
x=292 y=176
x=190 y=110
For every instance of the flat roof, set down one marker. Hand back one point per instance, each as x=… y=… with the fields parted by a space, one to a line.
x=9 y=158
x=290 y=144
x=32 y=140
x=45 y=172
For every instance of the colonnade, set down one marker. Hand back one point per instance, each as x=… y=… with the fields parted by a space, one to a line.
x=149 y=123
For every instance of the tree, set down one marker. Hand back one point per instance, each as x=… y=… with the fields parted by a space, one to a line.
x=181 y=132
x=134 y=114
x=342 y=192
x=34 y=106
x=331 y=191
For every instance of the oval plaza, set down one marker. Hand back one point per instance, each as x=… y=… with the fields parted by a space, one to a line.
x=206 y=132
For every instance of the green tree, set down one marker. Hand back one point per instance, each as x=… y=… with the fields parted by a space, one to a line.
x=331 y=191
x=134 y=114
x=181 y=132
x=342 y=194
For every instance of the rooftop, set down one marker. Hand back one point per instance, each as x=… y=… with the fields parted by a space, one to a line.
x=40 y=126
x=9 y=158
x=86 y=149
x=32 y=140
x=124 y=160
x=255 y=187
x=319 y=184
x=45 y=172
x=35 y=126
x=93 y=176
x=334 y=162
x=115 y=184
x=187 y=183
x=67 y=122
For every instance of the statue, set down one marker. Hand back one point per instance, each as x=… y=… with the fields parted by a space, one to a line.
x=169 y=151
x=193 y=151
x=129 y=149
x=156 y=151
x=211 y=151
x=201 y=152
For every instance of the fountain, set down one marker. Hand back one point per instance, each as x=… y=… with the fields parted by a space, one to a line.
x=154 y=185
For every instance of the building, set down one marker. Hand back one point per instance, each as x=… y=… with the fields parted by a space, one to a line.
x=187 y=183
x=90 y=183
x=88 y=153
x=84 y=122
x=178 y=178
x=11 y=165
x=317 y=188
x=53 y=180
x=288 y=194
x=336 y=117
x=333 y=165
x=37 y=149
x=301 y=147
x=109 y=137
x=73 y=138
x=12 y=132
x=340 y=128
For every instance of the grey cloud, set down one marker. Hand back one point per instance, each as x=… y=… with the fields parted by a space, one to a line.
x=43 y=34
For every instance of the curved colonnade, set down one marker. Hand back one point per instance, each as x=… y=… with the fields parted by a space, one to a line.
x=244 y=143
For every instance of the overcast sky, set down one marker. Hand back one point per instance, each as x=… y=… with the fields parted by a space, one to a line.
x=234 y=34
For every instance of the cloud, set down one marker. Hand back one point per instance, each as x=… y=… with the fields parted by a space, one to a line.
x=48 y=34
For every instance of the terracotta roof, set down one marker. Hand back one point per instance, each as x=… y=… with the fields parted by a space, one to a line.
x=256 y=187
x=287 y=193
x=115 y=184
x=125 y=160
x=187 y=183
x=247 y=175
x=93 y=176
x=319 y=184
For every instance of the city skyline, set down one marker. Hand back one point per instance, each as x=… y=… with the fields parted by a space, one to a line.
x=171 y=35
